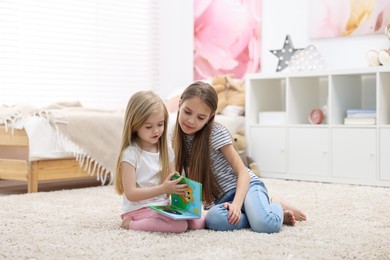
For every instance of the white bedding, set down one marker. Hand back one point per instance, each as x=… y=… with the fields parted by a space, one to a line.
x=44 y=141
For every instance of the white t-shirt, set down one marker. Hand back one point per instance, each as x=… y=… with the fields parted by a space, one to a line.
x=147 y=168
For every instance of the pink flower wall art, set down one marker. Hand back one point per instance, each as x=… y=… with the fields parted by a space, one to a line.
x=226 y=37
x=335 y=18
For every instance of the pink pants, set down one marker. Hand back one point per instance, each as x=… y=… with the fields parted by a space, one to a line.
x=146 y=219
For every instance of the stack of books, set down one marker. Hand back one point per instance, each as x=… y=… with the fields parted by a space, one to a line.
x=360 y=117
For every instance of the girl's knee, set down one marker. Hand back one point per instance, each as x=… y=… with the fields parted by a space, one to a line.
x=182 y=227
x=217 y=223
x=272 y=225
x=216 y=218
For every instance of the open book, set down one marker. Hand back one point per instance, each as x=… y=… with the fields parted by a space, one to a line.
x=188 y=206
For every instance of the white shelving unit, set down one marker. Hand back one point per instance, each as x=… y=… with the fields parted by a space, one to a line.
x=293 y=148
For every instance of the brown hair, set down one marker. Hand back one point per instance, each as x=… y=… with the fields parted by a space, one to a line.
x=141 y=105
x=200 y=165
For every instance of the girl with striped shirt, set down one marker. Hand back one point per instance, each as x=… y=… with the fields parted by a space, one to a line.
x=204 y=152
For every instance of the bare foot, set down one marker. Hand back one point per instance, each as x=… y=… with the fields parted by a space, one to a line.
x=125 y=223
x=288 y=217
x=298 y=214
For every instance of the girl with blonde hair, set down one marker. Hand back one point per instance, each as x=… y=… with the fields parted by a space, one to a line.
x=145 y=167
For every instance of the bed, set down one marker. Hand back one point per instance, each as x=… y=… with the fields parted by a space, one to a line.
x=63 y=142
x=66 y=142
x=16 y=165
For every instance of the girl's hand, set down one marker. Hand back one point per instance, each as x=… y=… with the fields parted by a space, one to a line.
x=234 y=213
x=172 y=186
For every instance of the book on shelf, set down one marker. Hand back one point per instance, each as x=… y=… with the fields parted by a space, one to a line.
x=361 y=112
x=188 y=206
x=360 y=121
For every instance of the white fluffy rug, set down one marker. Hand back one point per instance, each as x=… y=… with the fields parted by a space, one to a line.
x=344 y=222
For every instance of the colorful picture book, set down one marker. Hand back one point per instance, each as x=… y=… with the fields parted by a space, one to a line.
x=188 y=206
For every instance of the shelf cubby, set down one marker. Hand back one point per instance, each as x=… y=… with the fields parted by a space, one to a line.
x=329 y=152
x=351 y=91
x=268 y=96
x=304 y=95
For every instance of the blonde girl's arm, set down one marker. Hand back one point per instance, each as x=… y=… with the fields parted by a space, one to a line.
x=242 y=183
x=134 y=193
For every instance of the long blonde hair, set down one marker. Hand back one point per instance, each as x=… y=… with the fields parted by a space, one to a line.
x=200 y=165
x=141 y=105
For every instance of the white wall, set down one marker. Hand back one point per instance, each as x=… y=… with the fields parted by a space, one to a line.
x=176 y=56
x=280 y=17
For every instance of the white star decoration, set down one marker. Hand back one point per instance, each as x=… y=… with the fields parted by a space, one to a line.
x=284 y=55
x=307 y=59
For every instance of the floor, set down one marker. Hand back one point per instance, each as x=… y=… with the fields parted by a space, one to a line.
x=20 y=187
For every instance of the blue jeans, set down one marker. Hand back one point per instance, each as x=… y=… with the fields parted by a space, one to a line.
x=257 y=212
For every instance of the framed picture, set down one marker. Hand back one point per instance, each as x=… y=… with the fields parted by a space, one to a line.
x=226 y=38
x=338 y=18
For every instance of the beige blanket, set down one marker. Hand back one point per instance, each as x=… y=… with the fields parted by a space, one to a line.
x=91 y=135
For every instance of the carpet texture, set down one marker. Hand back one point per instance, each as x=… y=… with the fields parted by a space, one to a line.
x=344 y=222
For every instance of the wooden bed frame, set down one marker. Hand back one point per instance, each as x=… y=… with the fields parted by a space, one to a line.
x=15 y=163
